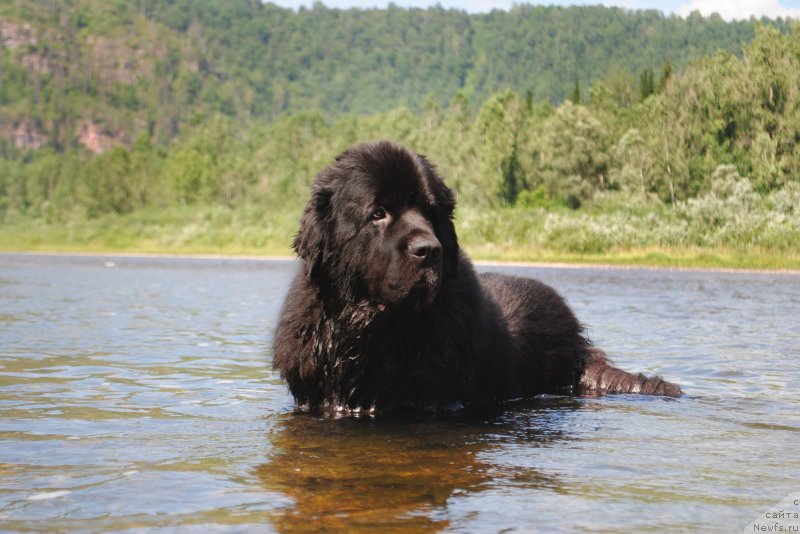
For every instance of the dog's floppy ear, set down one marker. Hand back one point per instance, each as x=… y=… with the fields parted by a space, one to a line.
x=445 y=229
x=311 y=241
x=446 y=232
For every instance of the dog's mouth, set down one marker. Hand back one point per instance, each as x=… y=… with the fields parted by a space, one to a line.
x=414 y=297
x=423 y=292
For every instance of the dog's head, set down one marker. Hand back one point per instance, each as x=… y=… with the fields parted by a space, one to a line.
x=379 y=227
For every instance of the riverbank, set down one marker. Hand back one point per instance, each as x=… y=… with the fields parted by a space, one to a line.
x=646 y=262
x=535 y=237
x=656 y=258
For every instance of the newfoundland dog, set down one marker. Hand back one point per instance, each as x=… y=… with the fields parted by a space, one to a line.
x=386 y=312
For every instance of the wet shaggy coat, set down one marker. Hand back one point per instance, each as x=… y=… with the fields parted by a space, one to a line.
x=387 y=313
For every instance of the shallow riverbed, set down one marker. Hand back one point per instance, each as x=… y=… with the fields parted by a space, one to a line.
x=137 y=393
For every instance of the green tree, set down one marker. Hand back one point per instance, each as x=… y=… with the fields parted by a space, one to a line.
x=664 y=77
x=634 y=162
x=572 y=154
x=575 y=96
x=106 y=179
x=647 y=84
x=499 y=122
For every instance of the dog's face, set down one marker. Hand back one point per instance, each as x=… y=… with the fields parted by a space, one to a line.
x=379 y=228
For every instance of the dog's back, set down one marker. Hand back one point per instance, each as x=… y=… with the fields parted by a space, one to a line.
x=551 y=353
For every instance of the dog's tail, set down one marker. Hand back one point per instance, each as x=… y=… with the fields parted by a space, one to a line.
x=600 y=377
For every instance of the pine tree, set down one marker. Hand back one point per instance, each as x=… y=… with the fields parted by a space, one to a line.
x=647 y=84
x=575 y=97
x=666 y=74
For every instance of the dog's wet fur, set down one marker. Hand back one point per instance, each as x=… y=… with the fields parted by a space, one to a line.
x=386 y=313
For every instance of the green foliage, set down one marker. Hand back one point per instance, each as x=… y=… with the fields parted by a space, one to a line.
x=635 y=162
x=704 y=158
x=540 y=198
x=571 y=154
x=575 y=97
x=499 y=122
x=155 y=63
x=647 y=83
x=106 y=178
x=664 y=77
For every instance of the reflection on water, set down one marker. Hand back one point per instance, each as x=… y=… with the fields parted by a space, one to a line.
x=395 y=472
x=136 y=393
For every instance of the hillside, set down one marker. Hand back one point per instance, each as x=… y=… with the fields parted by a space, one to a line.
x=702 y=167
x=588 y=134
x=95 y=73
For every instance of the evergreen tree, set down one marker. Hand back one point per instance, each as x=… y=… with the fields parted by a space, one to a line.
x=647 y=85
x=666 y=74
x=575 y=96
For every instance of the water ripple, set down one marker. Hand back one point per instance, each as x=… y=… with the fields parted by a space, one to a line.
x=140 y=397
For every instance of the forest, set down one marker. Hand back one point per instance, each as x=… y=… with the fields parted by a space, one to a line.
x=575 y=134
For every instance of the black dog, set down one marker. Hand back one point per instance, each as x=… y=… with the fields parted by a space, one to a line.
x=386 y=313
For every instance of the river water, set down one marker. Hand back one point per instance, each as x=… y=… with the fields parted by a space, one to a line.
x=137 y=394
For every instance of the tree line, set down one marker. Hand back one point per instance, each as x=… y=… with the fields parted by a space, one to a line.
x=155 y=64
x=725 y=114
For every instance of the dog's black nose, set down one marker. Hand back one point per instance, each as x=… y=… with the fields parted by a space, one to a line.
x=424 y=248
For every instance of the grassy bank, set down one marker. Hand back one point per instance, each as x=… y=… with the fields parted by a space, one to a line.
x=529 y=235
x=679 y=258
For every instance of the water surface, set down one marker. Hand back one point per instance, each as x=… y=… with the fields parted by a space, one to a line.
x=137 y=394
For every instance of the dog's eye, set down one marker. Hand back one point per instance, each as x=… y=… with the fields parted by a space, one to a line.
x=379 y=214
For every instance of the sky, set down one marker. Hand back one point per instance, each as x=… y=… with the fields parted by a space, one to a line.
x=728 y=9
